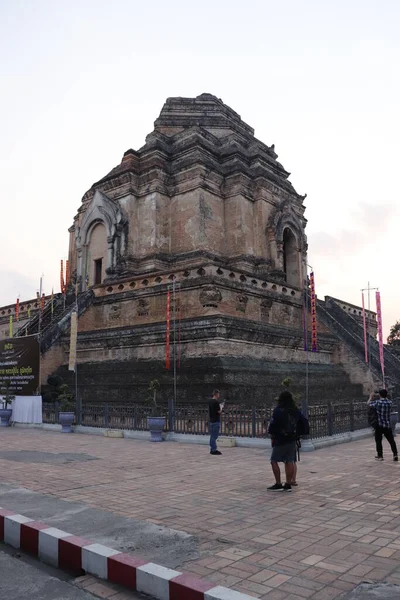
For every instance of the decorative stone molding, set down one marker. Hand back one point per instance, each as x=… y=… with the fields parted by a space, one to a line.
x=210 y=296
x=115 y=311
x=265 y=309
x=241 y=303
x=143 y=307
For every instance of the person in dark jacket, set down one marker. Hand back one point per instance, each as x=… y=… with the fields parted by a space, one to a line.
x=215 y=410
x=283 y=430
x=383 y=408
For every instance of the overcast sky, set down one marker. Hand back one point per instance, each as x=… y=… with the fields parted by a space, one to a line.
x=81 y=82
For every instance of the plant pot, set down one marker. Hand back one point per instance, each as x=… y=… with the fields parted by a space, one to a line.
x=5 y=416
x=156 y=427
x=66 y=419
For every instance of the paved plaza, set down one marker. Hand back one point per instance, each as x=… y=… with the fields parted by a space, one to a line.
x=338 y=529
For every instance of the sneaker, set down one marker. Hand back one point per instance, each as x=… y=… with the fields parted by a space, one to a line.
x=396 y=458
x=287 y=487
x=294 y=484
x=277 y=487
x=215 y=452
x=378 y=457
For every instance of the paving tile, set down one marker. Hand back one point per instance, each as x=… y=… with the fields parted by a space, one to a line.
x=330 y=532
x=313 y=559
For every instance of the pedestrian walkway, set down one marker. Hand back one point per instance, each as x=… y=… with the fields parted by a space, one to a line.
x=339 y=528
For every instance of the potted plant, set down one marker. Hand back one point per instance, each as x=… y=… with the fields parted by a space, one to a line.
x=155 y=423
x=66 y=415
x=5 y=413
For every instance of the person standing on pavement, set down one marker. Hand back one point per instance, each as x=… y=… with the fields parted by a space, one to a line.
x=383 y=406
x=286 y=426
x=215 y=410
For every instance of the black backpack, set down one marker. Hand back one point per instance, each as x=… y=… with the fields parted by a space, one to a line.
x=289 y=431
x=303 y=426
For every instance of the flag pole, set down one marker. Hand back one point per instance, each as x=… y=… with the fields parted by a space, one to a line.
x=39 y=326
x=368 y=335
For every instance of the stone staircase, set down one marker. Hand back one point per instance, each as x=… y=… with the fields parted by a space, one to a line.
x=351 y=333
x=55 y=321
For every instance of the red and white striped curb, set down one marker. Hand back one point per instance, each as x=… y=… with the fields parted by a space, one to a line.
x=61 y=549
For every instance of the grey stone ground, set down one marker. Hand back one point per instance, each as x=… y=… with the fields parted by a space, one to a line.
x=379 y=591
x=32 y=456
x=160 y=544
x=20 y=580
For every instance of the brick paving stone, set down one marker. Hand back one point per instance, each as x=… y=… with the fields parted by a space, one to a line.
x=298 y=591
x=101 y=590
x=331 y=531
x=313 y=559
x=328 y=593
x=275 y=595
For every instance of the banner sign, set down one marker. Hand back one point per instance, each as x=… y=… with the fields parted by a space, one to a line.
x=167 y=357
x=380 y=333
x=20 y=366
x=365 y=329
x=314 y=347
x=62 y=284
x=305 y=315
x=66 y=273
x=73 y=340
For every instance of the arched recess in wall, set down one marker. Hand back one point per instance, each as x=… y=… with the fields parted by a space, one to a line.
x=96 y=254
x=101 y=236
x=291 y=258
x=288 y=244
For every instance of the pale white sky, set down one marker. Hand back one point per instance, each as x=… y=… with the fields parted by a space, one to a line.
x=81 y=82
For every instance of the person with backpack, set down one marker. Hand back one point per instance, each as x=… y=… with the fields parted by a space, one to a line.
x=380 y=403
x=286 y=427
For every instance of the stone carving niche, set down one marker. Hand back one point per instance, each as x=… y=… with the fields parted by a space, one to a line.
x=265 y=309
x=241 y=303
x=210 y=296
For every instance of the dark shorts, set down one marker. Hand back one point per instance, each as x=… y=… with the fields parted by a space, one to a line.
x=287 y=453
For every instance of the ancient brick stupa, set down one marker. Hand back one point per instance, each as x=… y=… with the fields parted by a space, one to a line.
x=204 y=210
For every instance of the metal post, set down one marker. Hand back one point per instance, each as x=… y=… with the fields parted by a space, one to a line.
x=305 y=401
x=330 y=419
x=40 y=322
x=170 y=415
x=369 y=289
x=351 y=415
x=253 y=421
x=368 y=340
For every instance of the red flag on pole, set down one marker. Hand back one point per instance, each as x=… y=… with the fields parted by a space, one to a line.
x=365 y=329
x=66 y=273
x=380 y=334
x=314 y=347
x=17 y=310
x=62 y=284
x=167 y=353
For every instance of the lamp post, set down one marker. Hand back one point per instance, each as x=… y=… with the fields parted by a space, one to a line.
x=304 y=406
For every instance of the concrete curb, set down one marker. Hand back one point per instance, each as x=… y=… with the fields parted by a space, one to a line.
x=65 y=551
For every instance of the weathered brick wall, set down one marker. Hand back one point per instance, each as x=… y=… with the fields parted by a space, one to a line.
x=56 y=356
x=357 y=369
